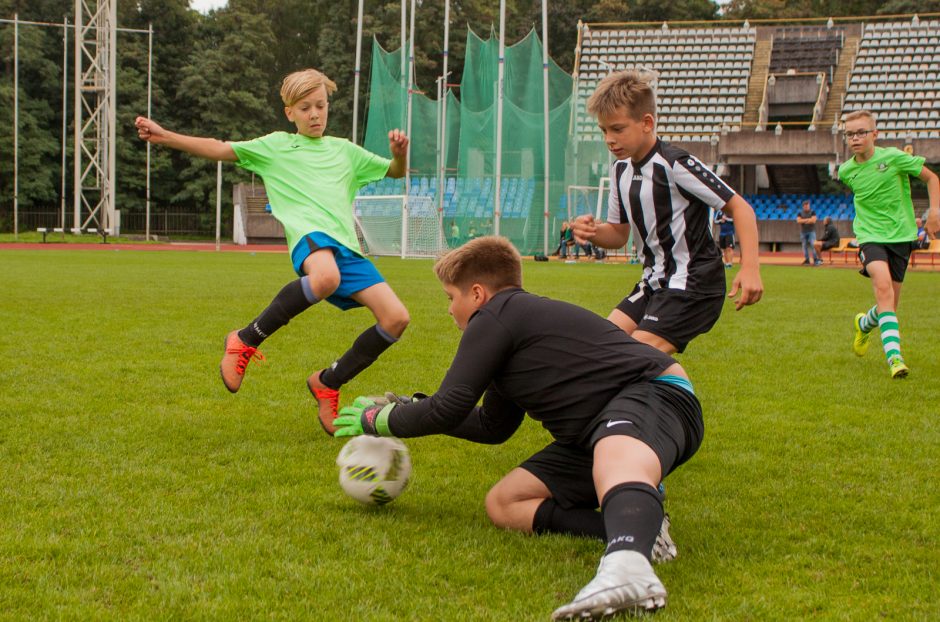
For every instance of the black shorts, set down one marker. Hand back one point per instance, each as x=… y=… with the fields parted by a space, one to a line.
x=827 y=244
x=673 y=314
x=726 y=241
x=665 y=417
x=896 y=255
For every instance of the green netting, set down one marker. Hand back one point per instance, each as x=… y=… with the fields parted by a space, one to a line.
x=467 y=193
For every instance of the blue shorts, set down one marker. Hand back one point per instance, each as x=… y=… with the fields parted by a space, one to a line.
x=356 y=273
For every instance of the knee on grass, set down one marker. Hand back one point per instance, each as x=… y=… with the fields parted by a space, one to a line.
x=505 y=511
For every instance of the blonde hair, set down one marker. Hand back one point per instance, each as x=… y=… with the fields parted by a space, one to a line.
x=299 y=84
x=629 y=89
x=859 y=114
x=490 y=260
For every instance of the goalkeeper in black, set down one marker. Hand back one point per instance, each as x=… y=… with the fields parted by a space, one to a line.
x=623 y=415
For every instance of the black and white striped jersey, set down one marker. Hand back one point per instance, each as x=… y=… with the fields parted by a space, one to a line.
x=665 y=198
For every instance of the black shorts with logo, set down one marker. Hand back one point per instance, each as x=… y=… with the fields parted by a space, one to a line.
x=726 y=241
x=675 y=315
x=664 y=416
x=896 y=254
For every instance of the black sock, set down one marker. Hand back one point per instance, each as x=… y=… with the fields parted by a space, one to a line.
x=368 y=346
x=293 y=299
x=552 y=518
x=633 y=516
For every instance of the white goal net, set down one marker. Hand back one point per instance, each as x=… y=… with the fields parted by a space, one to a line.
x=388 y=225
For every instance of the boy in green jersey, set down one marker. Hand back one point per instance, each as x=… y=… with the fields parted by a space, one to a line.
x=885 y=228
x=311 y=181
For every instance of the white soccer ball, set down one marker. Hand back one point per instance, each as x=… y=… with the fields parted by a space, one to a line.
x=373 y=470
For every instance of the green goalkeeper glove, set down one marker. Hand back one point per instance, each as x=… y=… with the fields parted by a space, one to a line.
x=365 y=416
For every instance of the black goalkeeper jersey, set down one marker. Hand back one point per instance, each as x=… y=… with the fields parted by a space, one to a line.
x=557 y=362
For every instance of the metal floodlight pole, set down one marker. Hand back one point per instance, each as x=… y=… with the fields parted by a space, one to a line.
x=76 y=128
x=218 y=205
x=404 y=36
x=358 y=71
x=411 y=84
x=110 y=220
x=96 y=97
x=442 y=107
x=65 y=80
x=16 y=124
x=545 y=112
x=499 y=115
x=149 y=106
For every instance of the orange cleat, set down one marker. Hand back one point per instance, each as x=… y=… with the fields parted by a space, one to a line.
x=327 y=402
x=235 y=360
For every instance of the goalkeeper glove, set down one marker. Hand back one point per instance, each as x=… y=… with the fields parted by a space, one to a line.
x=365 y=416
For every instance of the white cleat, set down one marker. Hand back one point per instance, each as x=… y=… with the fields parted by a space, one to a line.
x=625 y=581
x=664 y=549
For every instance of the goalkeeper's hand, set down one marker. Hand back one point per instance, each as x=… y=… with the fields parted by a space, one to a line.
x=365 y=416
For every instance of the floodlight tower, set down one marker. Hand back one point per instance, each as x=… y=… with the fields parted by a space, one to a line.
x=95 y=113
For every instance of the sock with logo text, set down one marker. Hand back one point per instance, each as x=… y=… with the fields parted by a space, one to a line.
x=295 y=298
x=633 y=515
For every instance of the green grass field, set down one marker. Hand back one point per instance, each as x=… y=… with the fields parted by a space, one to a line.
x=135 y=487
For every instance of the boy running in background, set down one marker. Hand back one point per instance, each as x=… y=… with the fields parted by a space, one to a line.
x=622 y=415
x=664 y=194
x=311 y=181
x=884 y=226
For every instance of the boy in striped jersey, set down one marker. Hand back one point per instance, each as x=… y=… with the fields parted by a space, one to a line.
x=885 y=227
x=664 y=194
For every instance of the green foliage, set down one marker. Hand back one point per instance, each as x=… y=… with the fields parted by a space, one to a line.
x=219 y=74
x=136 y=488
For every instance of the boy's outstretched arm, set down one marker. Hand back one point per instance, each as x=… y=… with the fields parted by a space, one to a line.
x=605 y=235
x=747 y=279
x=933 y=196
x=209 y=148
x=398 y=145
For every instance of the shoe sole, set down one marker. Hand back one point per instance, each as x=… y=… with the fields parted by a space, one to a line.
x=320 y=419
x=646 y=604
x=664 y=549
x=901 y=373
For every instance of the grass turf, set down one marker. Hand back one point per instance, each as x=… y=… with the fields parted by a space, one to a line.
x=135 y=487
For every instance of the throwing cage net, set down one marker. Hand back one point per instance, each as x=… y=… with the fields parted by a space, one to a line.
x=463 y=194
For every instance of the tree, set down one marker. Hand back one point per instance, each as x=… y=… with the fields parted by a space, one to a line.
x=225 y=88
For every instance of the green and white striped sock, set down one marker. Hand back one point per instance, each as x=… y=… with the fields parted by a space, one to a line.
x=890 y=335
x=870 y=320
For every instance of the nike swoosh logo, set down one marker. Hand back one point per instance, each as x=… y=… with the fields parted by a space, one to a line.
x=611 y=424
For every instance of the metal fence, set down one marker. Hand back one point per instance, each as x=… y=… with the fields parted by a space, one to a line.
x=164 y=223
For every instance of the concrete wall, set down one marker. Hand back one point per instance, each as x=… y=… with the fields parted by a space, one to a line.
x=803 y=147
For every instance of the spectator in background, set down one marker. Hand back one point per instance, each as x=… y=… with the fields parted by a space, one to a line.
x=725 y=237
x=807 y=220
x=923 y=240
x=830 y=238
x=454 y=234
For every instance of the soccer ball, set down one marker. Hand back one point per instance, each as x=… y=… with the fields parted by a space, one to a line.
x=374 y=470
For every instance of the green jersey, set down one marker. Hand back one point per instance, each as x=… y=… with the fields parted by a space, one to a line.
x=882 y=186
x=311 y=182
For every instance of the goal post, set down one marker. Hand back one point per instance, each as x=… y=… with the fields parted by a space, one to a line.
x=399 y=225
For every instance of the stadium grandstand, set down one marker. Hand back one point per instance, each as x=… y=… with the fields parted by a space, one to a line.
x=759 y=101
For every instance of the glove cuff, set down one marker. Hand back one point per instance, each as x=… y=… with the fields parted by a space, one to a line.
x=375 y=420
